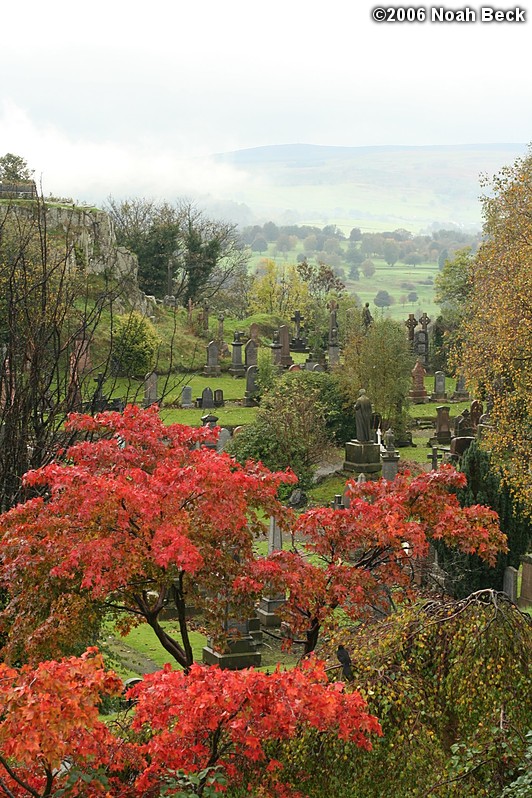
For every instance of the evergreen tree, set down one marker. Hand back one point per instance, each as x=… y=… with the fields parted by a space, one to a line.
x=467 y=572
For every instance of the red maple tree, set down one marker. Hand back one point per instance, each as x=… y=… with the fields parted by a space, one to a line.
x=137 y=515
x=219 y=718
x=50 y=734
x=355 y=557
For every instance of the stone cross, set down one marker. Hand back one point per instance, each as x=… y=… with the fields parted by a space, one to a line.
x=424 y=321
x=411 y=324
x=297 y=318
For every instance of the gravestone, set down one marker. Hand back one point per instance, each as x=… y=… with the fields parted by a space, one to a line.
x=390 y=457
x=461 y=394
x=241 y=650
x=223 y=438
x=212 y=367
x=443 y=425
x=218 y=398
x=362 y=455
x=186 y=397
x=417 y=394
x=439 y=387
x=411 y=324
x=509 y=583
x=254 y=332
x=237 y=368
x=251 y=386
x=207 y=399
x=298 y=343
x=334 y=348
x=311 y=361
x=150 y=389
x=268 y=606
x=276 y=349
x=295 y=367
x=284 y=340
x=525 y=597
x=318 y=367
x=251 y=353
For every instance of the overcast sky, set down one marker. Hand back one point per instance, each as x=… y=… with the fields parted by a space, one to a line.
x=121 y=97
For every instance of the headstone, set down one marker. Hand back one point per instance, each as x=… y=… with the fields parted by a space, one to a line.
x=186 y=397
x=418 y=394
x=251 y=386
x=284 y=340
x=218 y=398
x=223 y=439
x=439 y=386
x=237 y=368
x=207 y=398
x=251 y=353
x=389 y=457
x=212 y=367
x=509 y=584
x=254 y=332
x=298 y=342
x=311 y=361
x=276 y=349
x=411 y=324
x=363 y=456
x=295 y=367
x=525 y=597
x=318 y=367
x=463 y=425
x=334 y=348
x=150 y=389
x=461 y=394
x=269 y=605
x=443 y=425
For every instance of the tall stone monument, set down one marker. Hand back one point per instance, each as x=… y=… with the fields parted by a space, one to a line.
x=362 y=455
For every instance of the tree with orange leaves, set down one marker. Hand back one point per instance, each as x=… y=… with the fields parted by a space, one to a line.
x=139 y=515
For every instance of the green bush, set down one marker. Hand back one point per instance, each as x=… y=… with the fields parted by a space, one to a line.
x=134 y=346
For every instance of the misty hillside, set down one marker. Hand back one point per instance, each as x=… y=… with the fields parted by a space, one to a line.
x=370 y=187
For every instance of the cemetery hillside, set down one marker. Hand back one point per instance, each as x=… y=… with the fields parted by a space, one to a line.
x=265 y=499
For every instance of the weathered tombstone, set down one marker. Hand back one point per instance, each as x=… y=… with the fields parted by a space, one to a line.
x=276 y=349
x=241 y=649
x=295 y=367
x=251 y=386
x=318 y=367
x=268 y=606
x=237 y=431
x=237 y=368
x=254 y=332
x=207 y=399
x=150 y=389
x=218 y=398
x=411 y=324
x=334 y=348
x=390 y=457
x=461 y=394
x=251 y=353
x=311 y=361
x=509 y=583
x=298 y=343
x=463 y=425
x=418 y=394
x=525 y=597
x=443 y=425
x=439 y=386
x=362 y=455
x=223 y=438
x=284 y=340
x=186 y=397
x=212 y=367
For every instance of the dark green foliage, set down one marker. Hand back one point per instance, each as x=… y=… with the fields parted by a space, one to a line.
x=467 y=573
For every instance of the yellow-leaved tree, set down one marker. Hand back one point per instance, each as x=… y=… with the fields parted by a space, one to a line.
x=497 y=329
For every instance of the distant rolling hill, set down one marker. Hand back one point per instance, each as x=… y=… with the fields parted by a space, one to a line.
x=369 y=187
